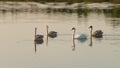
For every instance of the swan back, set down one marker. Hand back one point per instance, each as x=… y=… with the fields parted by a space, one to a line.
x=52 y=34
x=39 y=37
x=81 y=36
x=98 y=34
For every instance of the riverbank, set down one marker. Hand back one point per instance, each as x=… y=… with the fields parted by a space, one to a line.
x=69 y=1
x=33 y=6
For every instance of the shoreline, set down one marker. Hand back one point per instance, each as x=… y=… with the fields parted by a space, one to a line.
x=68 y=1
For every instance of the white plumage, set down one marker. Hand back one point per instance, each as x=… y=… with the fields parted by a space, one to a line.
x=81 y=36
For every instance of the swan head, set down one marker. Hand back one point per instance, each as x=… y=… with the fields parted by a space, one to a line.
x=47 y=26
x=73 y=28
x=35 y=28
x=91 y=26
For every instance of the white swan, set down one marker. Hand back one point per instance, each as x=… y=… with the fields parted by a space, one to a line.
x=97 y=33
x=80 y=37
x=51 y=34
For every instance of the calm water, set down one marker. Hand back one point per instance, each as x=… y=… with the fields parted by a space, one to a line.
x=18 y=50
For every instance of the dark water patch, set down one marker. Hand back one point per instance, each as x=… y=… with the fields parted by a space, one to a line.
x=114 y=12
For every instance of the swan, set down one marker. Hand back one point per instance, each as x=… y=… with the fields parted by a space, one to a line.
x=38 y=37
x=80 y=37
x=97 y=33
x=51 y=34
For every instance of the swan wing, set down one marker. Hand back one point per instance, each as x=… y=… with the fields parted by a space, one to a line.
x=81 y=36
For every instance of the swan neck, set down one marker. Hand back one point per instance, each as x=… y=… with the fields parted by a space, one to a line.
x=91 y=31
x=74 y=34
x=47 y=29
x=35 y=32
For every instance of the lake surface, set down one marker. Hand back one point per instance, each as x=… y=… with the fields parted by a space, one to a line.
x=18 y=49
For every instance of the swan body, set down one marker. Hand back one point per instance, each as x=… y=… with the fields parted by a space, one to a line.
x=38 y=37
x=80 y=37
x=51 y=34
x=97 y=33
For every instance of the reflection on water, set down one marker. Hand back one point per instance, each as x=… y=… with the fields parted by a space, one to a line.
x=82 y=40
x=91 y=42
x=38 y=42
x=73 y=47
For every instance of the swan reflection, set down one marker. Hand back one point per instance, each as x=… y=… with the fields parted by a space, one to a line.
x=91 y=42
x=38 y=42
x=73 y=47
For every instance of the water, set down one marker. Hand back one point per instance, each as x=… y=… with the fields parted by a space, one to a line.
x=18 y=50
